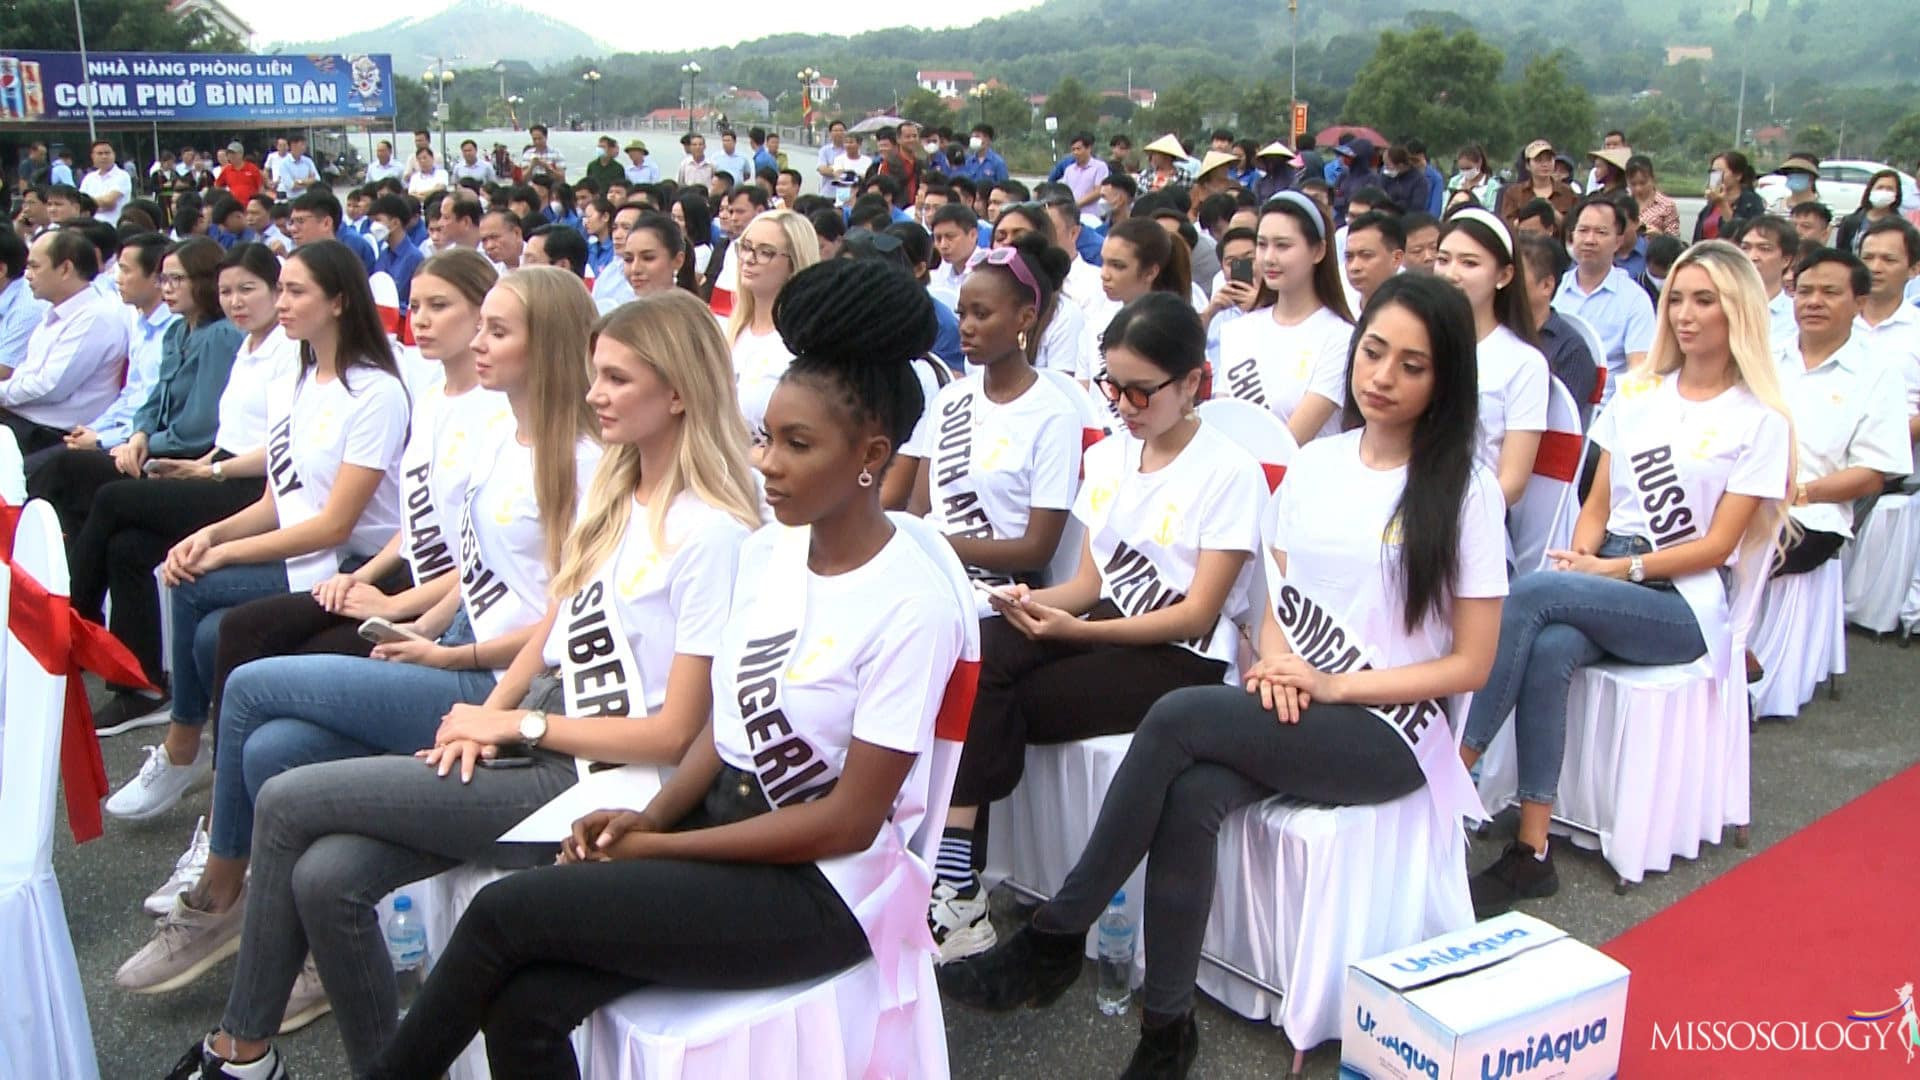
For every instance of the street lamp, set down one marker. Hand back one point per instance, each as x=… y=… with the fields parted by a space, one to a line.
x=807 y=76
x=979 y=94
x=513 y=104
x=592 y=78
x=439 y=79
x=691 y=69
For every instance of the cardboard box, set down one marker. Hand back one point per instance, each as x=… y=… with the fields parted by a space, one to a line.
x=1512 y=998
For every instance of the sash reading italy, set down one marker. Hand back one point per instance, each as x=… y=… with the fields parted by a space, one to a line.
x=1319 y=637
x=293 y=498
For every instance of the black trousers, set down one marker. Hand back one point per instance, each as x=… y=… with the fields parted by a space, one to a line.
x=1040 y=692
x=1814 y=547
x=1201 y=753
x=69 y=479
x=538 y=952
x=128 y=532
x=30 y=435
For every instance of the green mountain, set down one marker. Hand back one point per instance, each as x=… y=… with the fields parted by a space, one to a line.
x=479 y=31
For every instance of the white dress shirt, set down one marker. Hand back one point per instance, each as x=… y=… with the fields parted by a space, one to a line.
x=1895 y=343
x=1849 y=412
x=73 y=365
x=97 y=183
x=377 y=171
x=20 y=312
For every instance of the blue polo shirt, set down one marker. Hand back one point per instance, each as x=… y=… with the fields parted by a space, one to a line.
x=1619 y=312
x=986 y=167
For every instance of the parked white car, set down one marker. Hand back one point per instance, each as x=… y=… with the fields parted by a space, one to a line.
x=1841 y=185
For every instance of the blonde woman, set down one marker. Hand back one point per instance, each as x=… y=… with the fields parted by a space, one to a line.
x=1696 y=458
x=286 y=711
x=778 y=245
x=652 y=559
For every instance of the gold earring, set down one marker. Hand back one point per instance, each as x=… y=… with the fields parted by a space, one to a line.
x=1023 y=339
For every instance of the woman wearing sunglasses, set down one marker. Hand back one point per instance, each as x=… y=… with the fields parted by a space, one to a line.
x=1171 y=509
x=1000 y=480
x=778 y=245
x=1290 y=353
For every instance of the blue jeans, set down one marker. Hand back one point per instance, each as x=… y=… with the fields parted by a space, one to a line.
x=283 y=712
x=1553 y=623
x=195 y=622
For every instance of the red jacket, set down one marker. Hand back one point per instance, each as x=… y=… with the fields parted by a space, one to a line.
x=242 y=181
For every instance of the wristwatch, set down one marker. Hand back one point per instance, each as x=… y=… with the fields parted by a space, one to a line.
x=219 y=470
x=533 y=726
x=1636 y=573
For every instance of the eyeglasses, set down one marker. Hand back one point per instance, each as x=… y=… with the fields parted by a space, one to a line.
x=1009 y=259
x=756 y=254
x=175 y=280
x=1137 y=396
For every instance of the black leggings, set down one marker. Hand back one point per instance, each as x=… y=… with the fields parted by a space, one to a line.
x=1041 y=692
x=1814 y=548
x=132 y=525
x=539 y=951
x=290 y=624
x=1201 y=753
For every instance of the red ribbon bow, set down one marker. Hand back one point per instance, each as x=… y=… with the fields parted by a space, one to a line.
x=65 y=644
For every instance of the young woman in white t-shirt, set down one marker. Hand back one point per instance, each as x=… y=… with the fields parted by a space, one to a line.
x=790 y=812
x=284 y=711
x=1138 y=257
x=1695 y=464
x=617 y=671
x=1384 y=571
x=133 y=523
x=775 y=247
x=336 y=424
x=1171 y=509
x=1290 y=352
x=1058 y=337
x=1476 y=254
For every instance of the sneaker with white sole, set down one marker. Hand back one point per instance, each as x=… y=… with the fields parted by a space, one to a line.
x=308 y=1001
x=960 y=924
x=186 y=872
x=201 y=1063
x=186 y=942
x=129 y=710
x=159 y=784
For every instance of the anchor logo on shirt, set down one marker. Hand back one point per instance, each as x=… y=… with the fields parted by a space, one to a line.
x=803 y=665
x=324 y=425
x=1303 y=365
x=456 y=449
x=1169 y=528
x=995 y=454
x=503 y=512
x=1102 y=495
x=1704 y=447
x=631 y=585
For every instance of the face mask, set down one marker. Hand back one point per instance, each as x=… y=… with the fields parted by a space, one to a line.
x=1390 y=171
x=1880 y=198
x=1798 y=182
x=378 y=230
x=1715 y=177
x=976 y=143
x=1469 y=174
x=557 y=208
x=1659 y=283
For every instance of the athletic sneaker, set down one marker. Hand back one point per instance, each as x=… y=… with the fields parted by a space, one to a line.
x=307 y=1003
x=128 y=710
x=159 y=784
x=185 y=872
x=186 y=942
x=1520 y=873
x=201 y=1063
x=960 y=924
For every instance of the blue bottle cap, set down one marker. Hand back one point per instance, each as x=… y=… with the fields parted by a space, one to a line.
x=403 y=902
x=1119 y=899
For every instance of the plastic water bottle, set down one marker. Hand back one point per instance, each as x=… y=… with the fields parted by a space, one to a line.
x=407 y=947
x=1115 y=991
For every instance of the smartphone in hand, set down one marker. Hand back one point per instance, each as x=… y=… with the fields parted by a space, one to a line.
x=381 y=632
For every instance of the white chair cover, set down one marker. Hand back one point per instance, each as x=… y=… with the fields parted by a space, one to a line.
x=1799 y=637
x=1256 y=430
x=1093 y=427
x=1542 y=520
x=832 y=1026
x=44 y=1029
x=1599 y=353
x=13 y=477
x=1656 y=757
x=1882 y=563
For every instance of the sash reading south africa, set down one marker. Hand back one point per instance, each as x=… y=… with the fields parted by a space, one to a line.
x=954 y=489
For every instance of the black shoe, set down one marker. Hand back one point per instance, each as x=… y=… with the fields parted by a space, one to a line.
x=1165 y=1052
x=129 y=710
x=199 y=1063
x=1515 y=875
x=1029 y=967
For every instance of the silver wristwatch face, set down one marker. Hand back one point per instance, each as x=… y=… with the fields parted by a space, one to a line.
x=533 y=726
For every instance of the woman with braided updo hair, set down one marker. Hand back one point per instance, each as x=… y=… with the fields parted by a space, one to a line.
x=791 y=806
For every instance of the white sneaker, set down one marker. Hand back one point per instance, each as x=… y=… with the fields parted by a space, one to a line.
x=185 y=872
x=960 y=924
x=159 y=784
x=308 y=1001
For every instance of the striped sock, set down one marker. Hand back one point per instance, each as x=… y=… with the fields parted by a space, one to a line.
x=955 y=864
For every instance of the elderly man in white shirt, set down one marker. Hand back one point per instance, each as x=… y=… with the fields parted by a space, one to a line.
x=76 y=356
x=107 y=184
x=383 y=164
x=1848 y=410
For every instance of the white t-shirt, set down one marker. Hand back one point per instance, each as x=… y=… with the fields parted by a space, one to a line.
x=1083 y=285
x=838 y=187
x=1146 y=530
x=1065 y=339
x=317 y=428
x=1513 y=392
x=920 y=443
x=1277 y=366
x=422 y=184
x=994 y=464
x=1671 y=461
x=503 y=545
x=758 y=362
x=96 y=184
x=243 y=403
x=449 y=435
x=669 y=601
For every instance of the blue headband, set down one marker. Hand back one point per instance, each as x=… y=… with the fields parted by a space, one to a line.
x=1312 y=208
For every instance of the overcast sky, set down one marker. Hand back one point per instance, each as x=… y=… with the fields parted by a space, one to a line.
x=667 y=26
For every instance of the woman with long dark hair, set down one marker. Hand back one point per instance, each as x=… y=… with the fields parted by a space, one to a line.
x=1387 y=534
x=1289 y=353
x=1477 y=257
x=334 y=438
x=1880 y=202
x=1730 y=198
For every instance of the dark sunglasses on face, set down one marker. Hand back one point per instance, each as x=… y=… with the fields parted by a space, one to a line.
x=1137 y=396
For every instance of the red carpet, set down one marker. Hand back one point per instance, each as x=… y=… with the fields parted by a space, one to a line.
x=1781 y=950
